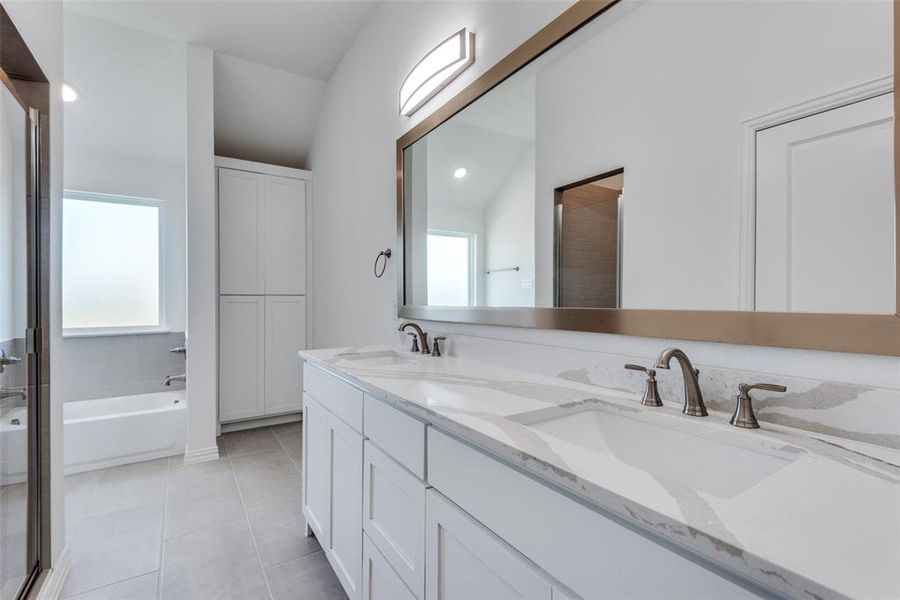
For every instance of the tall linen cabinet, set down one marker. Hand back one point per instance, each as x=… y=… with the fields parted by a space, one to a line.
x=263 y=242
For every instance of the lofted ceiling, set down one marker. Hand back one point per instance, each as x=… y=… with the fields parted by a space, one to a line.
x=305 y=38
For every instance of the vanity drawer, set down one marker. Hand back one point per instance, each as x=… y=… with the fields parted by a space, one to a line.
x=402 y=437
x=338 y=396
x=594 y=555
x=394 y=515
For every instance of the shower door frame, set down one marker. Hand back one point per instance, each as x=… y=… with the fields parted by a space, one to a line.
x=25 y=80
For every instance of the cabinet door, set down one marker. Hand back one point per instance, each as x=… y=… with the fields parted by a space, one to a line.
x=380 y=582
x=285 y=336
x=344 y=540
x=464 y=560
x=241 y=266
x=284 y=244
x=316 y=468
x=394 y=515
x=241 y=357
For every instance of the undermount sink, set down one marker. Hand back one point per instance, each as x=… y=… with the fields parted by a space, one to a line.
x=380 y=358
x=672 y=450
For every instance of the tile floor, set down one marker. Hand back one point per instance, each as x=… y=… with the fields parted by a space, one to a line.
x=230 y=528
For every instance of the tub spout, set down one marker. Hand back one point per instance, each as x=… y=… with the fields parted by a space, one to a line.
x=170 y=378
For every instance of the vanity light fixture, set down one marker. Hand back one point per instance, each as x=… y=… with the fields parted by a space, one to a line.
x=438 y=68
x=69 y=93
x=460 y=173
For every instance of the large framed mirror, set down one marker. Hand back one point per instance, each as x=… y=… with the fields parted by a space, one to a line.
x=674 y=169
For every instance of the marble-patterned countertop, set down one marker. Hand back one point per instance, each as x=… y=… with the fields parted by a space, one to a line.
x=824 y=525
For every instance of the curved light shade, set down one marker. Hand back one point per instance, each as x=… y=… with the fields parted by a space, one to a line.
x=438 y=68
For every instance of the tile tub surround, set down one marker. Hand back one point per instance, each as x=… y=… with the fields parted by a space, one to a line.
x=794 y=532
x=119 y=365
x=229 y=528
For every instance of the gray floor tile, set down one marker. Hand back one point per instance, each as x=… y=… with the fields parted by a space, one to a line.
x=290 y=435
x=279 y=528
x=216 y=562
x=115 y=546
x=309 y=577
x=261 y=475
x=250 y=441
x=79 y=490
x=136 y=588
x=127 y=486
x=194 y=503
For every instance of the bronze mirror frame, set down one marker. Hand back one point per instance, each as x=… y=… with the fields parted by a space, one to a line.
x=864 y=334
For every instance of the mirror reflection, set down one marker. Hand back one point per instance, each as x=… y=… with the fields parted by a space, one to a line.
x=670 y=155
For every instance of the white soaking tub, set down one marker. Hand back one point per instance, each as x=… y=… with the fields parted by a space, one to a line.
x=115 y=431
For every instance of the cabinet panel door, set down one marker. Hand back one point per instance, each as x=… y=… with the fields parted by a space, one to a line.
x=241 y=265
x=285 y=240
x=466 y=561
x=394 y=515
x=344 y=550
x=380 y=582
x=316 y=468
x=241 y=357
x=285 y=336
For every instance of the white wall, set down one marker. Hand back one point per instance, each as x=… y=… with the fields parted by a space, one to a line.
x=353 y=153
x=125 y=135
x=202 y=359
x=353 y=157
x=264 y=114
x=41 y=25
x=12 y=219
x=509 y=232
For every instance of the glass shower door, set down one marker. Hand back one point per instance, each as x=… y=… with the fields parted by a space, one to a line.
x=18 y=553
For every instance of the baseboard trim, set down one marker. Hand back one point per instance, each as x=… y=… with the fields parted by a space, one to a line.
x=261 y=422
x=202 y=455
x=52 y=584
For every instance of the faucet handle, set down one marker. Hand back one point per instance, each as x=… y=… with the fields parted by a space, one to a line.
x=436 y=347
x=415 y=338
x=651 y=389
x=743 y=410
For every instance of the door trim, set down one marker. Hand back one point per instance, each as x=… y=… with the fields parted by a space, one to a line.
x=747 y=239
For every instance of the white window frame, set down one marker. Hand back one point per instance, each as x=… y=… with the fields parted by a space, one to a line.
x=473 y=279
x=160 y=205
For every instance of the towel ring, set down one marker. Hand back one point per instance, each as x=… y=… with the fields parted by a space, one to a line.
x=386 y=254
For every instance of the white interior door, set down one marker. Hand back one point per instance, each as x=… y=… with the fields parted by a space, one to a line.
x=241 y=266
x=241 y=357
x=285 y=336
x=825 y=239
x=285 y=239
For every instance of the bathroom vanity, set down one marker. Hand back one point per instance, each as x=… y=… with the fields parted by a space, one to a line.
x=430 y=477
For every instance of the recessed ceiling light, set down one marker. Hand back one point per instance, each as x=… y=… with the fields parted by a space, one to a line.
x=69 y=93
x=460 y=173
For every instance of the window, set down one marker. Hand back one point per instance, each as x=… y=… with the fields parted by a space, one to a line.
x=112 y=264
x=451 y=268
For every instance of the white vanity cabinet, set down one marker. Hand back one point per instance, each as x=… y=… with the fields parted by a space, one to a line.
x=404 y=510
x=465 y=561
x=263 y=313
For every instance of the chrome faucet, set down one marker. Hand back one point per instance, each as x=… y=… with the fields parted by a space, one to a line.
x=693 y=397
x=170 y=378
x=13 y=393
x=422 y=336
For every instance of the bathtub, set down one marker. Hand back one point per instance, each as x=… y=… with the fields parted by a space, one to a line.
x=113 y=431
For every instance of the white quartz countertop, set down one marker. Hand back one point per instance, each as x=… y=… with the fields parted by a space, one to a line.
x=824 y=525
